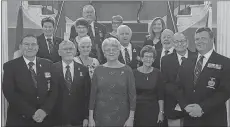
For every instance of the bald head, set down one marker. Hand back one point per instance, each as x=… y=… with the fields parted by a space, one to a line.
x=167 y=39
x=180 y=43
x=124 y=34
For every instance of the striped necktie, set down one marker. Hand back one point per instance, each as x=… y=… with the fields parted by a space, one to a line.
x=127 y=57
x=68 y=77
x=198 y=69
x=32 y=73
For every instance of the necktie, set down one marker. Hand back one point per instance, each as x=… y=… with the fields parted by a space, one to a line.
x=198 y=69
x=33 y=74
x=51 y=46
x=90 y=31
x=127 y=57
x=166 y=52
x=182 y=60
x=68 y=77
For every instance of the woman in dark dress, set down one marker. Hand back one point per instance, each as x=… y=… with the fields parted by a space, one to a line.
x=157 y=26
x=149 y=90
x=116 y=22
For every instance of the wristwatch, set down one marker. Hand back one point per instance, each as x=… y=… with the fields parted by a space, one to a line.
x=162 y=112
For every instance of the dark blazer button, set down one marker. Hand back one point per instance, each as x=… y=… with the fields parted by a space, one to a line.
x=23 y=116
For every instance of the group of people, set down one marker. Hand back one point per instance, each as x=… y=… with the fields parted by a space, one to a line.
x=103 y=79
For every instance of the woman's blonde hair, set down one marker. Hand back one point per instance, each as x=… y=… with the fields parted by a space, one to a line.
x=111 y=41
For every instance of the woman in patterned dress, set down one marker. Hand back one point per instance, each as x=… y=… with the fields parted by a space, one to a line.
x=84 y=47
x=150 y=91
x=113 y=94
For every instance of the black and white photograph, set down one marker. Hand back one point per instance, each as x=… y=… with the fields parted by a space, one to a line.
x=110 y=63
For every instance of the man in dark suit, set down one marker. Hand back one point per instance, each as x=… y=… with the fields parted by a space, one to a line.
x=170 y=65
x=96 y=32
x=27 y=87
x=48 y=44
x=167 y=47
x=130 y=53
x=74 y=82
x=204 y=84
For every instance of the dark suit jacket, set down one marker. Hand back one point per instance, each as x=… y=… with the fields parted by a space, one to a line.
x=135 y=53
x=43 y=51
x=24 y=98
x=169 y=69
x=71 y=108
x=149 y=41
x=211 y=91
x=100 y=32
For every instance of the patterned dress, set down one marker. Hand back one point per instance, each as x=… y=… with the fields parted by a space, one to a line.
x=113 y=95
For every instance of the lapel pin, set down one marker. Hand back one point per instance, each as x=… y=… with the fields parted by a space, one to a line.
x=81 y=74
x=134 y=50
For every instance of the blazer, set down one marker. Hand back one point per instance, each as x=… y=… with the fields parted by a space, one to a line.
x=169 y=68
x=43 y=51
x=149 y=41
x=71 y=107
x=135 y=62
x=211 y=91
x=23 y=97
x=100 y=33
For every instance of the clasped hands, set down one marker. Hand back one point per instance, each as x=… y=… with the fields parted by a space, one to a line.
x=194 y=110
x=39 y=115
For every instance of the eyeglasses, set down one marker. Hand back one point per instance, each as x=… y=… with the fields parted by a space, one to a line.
x=68 y=49
x=180 y=41
x=81 y=27
x=114 y=50
x=29 y=44
x=148 y=57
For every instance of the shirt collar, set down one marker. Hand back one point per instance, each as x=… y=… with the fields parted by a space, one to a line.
x=185 y=55
x=170 y=50
x=27 y=61
x=129 y=47
x=207 y=55
x=64 y=64
x=49 y=37
x=92 y=24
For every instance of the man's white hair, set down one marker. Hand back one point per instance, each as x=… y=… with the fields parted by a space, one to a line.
x=87 y=7
x=66 y=42
x=122 y=27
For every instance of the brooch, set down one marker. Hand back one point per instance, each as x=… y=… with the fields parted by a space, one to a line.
x=134 y=50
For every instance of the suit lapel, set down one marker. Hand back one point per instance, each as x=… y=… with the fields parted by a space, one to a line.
x=25 y=73
x=121 y=58
x=76 y=73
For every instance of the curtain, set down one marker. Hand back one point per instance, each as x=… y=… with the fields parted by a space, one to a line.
x=4 y=54
x=223 y=32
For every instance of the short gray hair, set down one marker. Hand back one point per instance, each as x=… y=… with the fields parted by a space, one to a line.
x=121 y=27
x=84 y=39
x=88 y=6
x=111 y=41
x=66 y=42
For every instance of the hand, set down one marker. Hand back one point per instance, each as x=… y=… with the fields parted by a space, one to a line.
x=129 y=122
x=85 y=123
x=197 y=111
x=39 y=115
x=91 y=122
x=160 y=117
x=194 y=110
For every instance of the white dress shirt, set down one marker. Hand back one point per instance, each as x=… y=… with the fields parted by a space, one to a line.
x=27 y=62
x=179 y=56
x=129 y=48
x=47 y=43
x=71 y=65
x=206 y=57
x=92 y=26
x=163 y=51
